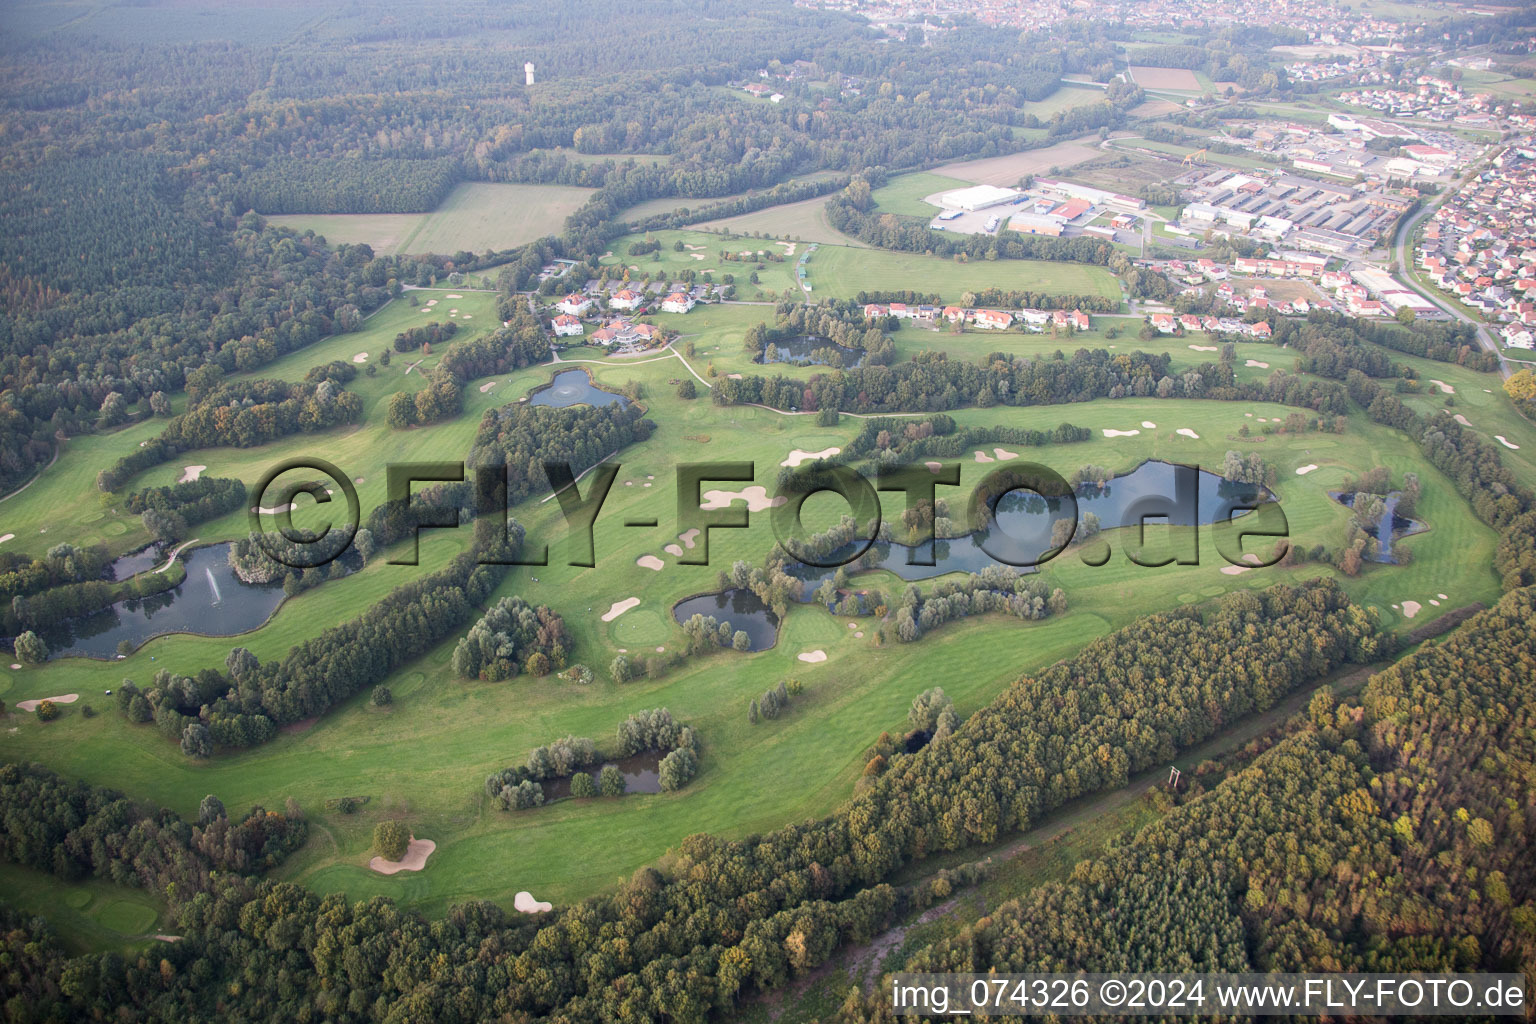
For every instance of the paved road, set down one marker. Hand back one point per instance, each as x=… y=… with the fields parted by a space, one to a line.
x=1403 y=251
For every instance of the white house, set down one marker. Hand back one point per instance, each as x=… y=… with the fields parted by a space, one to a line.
x=567 y=326
x=1519 y=337
x=574 y=304
x=625 y=299
x=992 y=319
x=677 y=302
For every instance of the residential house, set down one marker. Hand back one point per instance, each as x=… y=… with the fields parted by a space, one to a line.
x=677 y=302
x=574 y=304
x=626 y=299
x=567 y=326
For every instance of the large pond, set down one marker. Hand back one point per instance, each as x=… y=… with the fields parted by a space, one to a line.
x=741 y=608
x=211 y=601
x=1390 y=528
x=574 y=387
x=809 y=348
x=1152 y=488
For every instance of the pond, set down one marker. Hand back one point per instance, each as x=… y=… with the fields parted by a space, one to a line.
x=211 y=601
x=1026 y=518
x=641 y=775
x=1390 y=528
x=741 y=608
x=809 y=348
x=574 y=387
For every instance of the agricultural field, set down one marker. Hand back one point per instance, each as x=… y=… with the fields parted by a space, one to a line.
x=475 y=217
x=806 y=219
x=1007 y=170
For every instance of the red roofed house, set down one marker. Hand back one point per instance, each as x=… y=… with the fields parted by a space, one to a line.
x=1080 y=320
x=953 y=314
x=1164 y=323
x=626 y=299
x=1260 y=329
x=575 y=304
x=677 y=302
x=567 y=326
x=992 y=319
x=873 y=310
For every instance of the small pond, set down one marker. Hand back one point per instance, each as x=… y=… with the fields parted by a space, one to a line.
x=741 y=608
x=1390 y=528
x=211 y=601
x=574 y=387
x=641 y=775
x=809 y=348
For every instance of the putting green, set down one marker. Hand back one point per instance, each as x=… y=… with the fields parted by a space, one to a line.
x=79 y=899
x=126 y=917
x=642 y=626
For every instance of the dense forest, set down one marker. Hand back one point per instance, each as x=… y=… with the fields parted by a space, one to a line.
x=1389 y=834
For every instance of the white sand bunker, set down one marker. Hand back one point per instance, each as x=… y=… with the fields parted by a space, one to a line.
x=1206 y=348
x=984 y=457
x=1186 y=432
x=934 y=467
x=190 y=473
x=31 y=705
x=415 y=858
x=1459 y=418
x=733 y=376
x=275 y=511
x=1506 y=442
x=487 y=386
x=466 y=316
x=798 y=456
x=455 y=296
x=1443 y=386
x=1255 y=362
x=651 y=562
x=1443 y=597
x=673 y=550
x=1410 y=609
x=1120 y=433
x=695 y=256
x=755 y=496
x=361 y=357
x=1304 y=470
x=1238 y=570
x=619 y=608
x=1004 y=456
x=1148 y=425
x=9 y=536
x=813 y=657
x=431 y=302
x=687 y=537
x=1248 y=414
x=525 y=902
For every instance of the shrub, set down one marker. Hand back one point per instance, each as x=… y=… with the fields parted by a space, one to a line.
x=31 y=649
x=677 y=768
x=382 y=697
x=582 y=786
x=391 y=839
x=87 y=711
x=47 y=711
x=610 y=781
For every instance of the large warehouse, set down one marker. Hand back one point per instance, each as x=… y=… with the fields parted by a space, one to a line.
x=977 y=197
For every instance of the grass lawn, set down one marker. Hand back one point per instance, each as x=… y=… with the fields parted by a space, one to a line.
x=904 y=193
x=475 y=217
x=774 y=278
x=90 y=916
x=805 y=220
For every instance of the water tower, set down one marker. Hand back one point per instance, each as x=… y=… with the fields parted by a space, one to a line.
x=528 y=73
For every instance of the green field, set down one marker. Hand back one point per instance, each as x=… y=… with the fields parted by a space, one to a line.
x=475 y=217
x=843 y=273
x=424 y=759
x=806 y=220
x=905 y=193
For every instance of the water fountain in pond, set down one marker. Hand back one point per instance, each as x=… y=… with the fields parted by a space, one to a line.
x=218 y=598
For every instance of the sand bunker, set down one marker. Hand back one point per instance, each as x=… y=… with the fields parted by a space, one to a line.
x=755 y=496
x=651 y=562
x=1304 y=470
x=361 y=357
x=687 y=537
x=487 y=386
x=1434 y=602
x=1238 y=570
x=1459 y=418
x=1004 y=456
x=693 y=248
x=431 y=302
x=695 y=256
x=1148 y=425
x=466 y=316
x=9 y=536
x=190 y=473
x=275 y=511
x=619 y=608
x=934 y=467
x=1120 y=433
x=31 y=705
x=813 y=657
x=798 y=456
x=525 y=902
x=1506 y=442
x=1443 y=597
x=1206 y=348
x=455 y=296
x=673 y=550
x=414 y=860
x=733 y=376
x=1255 y=362
x=984 y=457
x=1410 y=609
x=1186 y=432
x=1443 y=386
